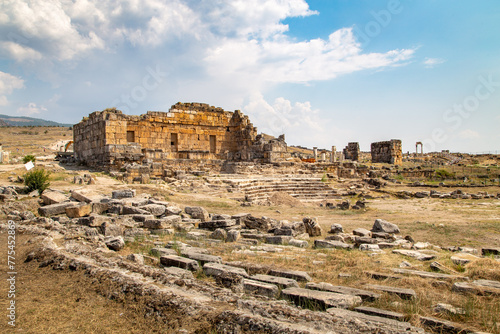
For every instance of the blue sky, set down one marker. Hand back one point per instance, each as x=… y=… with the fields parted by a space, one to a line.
x=322 y=72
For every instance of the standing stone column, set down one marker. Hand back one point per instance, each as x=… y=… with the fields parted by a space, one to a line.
x=315 y=152
x=323 y=156
x=333 y=157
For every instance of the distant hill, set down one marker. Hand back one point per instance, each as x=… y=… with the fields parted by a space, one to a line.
x=6 y=120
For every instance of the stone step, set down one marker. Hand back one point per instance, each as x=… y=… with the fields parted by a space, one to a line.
x=380 y=313
x=281 y=282
x=414 y=254
x=332 y=244
x=319 y=300
x=394 y=325
x=381 y=276
x=427 y=274
x=215 y=224
x=300 y=276
x=217 y=269
x=443 y=326
x=180 y=262
x=364 y=294
x=401 y=292
x=475 y=289
x=260 y=288
x=202 y=258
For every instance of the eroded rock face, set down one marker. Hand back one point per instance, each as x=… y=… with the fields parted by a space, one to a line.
x=115 y=243
x=312 y=227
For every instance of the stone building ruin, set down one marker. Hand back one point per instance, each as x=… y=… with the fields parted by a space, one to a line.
x=195 y=132
x=351 y=151
x=387 y=152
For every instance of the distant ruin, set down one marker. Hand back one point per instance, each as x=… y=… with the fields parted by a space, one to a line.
x=191 y=131
x=387 y=152
x=351 y=151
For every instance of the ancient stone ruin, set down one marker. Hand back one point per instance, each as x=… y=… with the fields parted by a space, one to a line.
x=387 y=151
x=188 y=131
x=351 y=151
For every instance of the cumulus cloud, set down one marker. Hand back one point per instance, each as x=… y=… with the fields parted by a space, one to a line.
x=8 y=83
x=469 y=134
x=30 y=109
x=431 y=62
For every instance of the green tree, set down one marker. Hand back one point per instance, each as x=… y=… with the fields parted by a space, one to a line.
x=28 y=158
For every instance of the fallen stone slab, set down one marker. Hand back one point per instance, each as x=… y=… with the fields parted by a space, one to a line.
x=300 y=276
x=380 y=313
x=94 y=220
x=202 y=258
x=362 y=232
x=364 y=294
x=466 y=287
x=180 y=262
x=54 y=209
x=260 y=288
x=438 y=266
x=251 y=268
x=133 y=210
x=53 y=197
x=127 y=193
x=381 y=276
x=443 y=326
x=255 y=236
x=319 y=300
x=179 y=272
x=278 y=239
x=298 y=243
x=414 y=254
x=463 y=258
x=388 y=324
x=78 y=211
x=487 y=283
x=114 y=243
x=154 y=209
x=197 y=212
x=427 y=274
x=215 y=224
x=331 y=244
x=490 y=251
x=217 y=269
x=401 y=292
x=381 y=225
x=160 y=251
x=162 y=223
x=85 y=196
x=281 y=282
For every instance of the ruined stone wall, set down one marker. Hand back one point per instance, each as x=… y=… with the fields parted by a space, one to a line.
x=351 y=151
x=387 y=152
x=192 y=131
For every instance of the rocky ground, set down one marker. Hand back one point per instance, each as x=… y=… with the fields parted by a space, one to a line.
x=187 y=257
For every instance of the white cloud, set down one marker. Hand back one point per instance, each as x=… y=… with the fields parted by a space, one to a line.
x=431 y=62
x=8 y=83
x=30 y=109
x=469 y=134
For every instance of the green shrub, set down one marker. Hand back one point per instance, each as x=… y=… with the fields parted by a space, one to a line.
x=28 y=158
x=444 y=174
x=37 y=179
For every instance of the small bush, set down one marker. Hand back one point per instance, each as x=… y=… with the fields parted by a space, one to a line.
x=37 y=179
x=444 y=174
x=28 y=158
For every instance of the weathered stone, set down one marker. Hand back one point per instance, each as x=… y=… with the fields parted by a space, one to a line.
x=300 y=276
x=312 y=227
x=216 y=269
x=298 y=243
x=380 y=313
x=331 y=244
x=159 y=251
x=427 y=274
x=219 y=234
x=389 y=325
x=94 y=220
x=387 y=152
x=78 y=211
x=233 y=235
x=99 y=208
x=478 y=289
x=172 y=210
x=111 y=230
x=440 y=267
x=362 y=232
x=463 y=258
x=260 y=288
x=197 y=212
x=154 y=209
x=284 y=231
x=403 y=293
x=175 y=271
x=364 y=294
x=447 y=308
x=115 y=243
x=239 y=217
x=442 y=326
x=53 y=197
x=490 y=251
x=215 y=224
x=278 y=239
x=281 y=282
x=127 y=193
x=137 y=258
x=336 y=228
x=54 y=209
x=381 y=225
x=132 y=210
x=369 y=248
x=162 y=223
x=320 y=300
x=81 y=195
x=202 y=258
x=261 y=224
x=414 y=254
x=180 y=262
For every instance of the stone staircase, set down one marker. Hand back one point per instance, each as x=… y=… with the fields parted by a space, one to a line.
x=305 y=189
